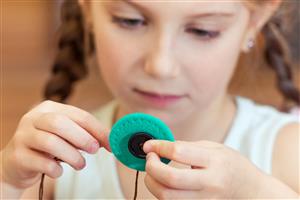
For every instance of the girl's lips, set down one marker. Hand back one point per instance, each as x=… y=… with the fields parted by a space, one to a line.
x=158 y=100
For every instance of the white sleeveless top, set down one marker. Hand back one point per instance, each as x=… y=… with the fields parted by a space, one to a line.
x=253 y=134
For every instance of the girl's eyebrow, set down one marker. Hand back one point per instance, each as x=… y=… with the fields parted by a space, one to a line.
x=133 y=4
x=216 y=14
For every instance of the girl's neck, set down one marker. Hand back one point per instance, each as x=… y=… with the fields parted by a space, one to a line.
x=211 y=124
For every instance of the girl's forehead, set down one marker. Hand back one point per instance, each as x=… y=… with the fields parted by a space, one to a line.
x=180 y=6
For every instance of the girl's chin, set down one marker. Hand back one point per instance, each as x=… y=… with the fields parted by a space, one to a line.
x=170 y=117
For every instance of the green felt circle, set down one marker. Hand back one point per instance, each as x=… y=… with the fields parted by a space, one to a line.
x=129 y=125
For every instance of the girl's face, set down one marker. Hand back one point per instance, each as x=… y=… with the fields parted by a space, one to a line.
x=168 y=58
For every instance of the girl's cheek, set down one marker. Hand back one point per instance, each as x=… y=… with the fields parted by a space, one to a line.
x=208 y=77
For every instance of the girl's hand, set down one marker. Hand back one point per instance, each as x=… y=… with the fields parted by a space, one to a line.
x=215 y=171
x=49 y=132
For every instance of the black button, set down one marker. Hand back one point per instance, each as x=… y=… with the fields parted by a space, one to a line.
x=136 y=142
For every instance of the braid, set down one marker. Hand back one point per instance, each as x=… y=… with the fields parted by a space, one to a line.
x=278 y=58
x=69 y=65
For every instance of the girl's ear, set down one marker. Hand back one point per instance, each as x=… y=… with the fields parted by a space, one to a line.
x=86 y=11
x=259 y=16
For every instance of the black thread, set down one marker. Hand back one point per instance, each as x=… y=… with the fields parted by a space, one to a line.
x=41 y=189
x=136 y=185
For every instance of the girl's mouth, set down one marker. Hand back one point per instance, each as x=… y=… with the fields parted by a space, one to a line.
x=158 y=99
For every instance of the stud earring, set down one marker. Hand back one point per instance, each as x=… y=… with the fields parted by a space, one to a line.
x=250 y=44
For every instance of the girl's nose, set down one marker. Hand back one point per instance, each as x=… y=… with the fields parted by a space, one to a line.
x=161 y=61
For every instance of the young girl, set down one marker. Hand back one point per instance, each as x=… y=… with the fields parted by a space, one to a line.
x=173 y=60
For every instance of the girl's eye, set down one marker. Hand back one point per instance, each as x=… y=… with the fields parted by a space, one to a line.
x=203 y=34
x=129 y=22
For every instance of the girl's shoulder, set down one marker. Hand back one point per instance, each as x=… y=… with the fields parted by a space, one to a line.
x=255 y=130
x=271 y=140
x=255 y=116
x=286 y=156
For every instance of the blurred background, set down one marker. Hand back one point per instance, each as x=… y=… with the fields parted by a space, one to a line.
x=28 y=43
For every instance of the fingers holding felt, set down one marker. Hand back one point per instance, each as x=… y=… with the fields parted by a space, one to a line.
x=88 y=122
x=184 y=152
x=68 y=130
x=81 y=117
x=185 y=179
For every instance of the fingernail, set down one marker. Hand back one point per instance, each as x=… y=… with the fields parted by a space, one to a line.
x=81 y=165
x=147 y=146
x=147 y=156
x=94 y=147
